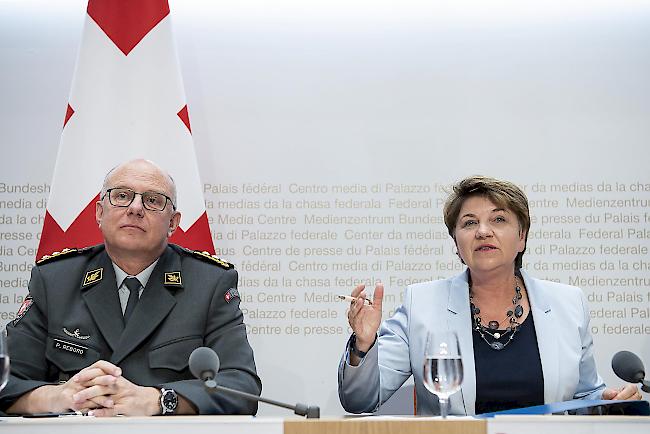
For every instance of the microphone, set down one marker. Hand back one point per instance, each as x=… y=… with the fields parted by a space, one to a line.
x=629 y=367
x=204 y=365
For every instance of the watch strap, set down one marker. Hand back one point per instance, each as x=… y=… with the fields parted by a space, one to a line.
x=357 y=352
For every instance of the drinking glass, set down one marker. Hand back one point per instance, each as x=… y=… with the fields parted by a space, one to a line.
x=443 y=367
x=4 y=360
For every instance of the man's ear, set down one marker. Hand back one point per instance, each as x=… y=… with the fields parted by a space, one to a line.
x=174 y=221
x=99 y=212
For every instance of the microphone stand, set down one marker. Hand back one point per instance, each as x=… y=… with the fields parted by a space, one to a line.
x=309 y=411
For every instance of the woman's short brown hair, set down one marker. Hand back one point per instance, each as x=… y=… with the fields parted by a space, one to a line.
x=502 y=193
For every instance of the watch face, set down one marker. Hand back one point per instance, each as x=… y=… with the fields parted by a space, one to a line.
x=169 y=401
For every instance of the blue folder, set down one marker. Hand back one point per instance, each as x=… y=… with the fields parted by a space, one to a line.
x=582 y=406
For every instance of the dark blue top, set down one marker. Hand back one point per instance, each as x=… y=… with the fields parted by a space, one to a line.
x=512 y=377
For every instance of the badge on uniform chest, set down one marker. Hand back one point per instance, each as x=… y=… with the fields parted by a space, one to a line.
x=75 y=334
x=69 y=347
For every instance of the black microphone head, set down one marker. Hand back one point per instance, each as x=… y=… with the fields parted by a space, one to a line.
x=628 y=367
x=204 y=363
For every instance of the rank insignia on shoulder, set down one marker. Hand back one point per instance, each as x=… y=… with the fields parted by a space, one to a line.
x=22 y=310
x=214 y=259
x=93 y=276
x=231 y=294
x=56 y=255
x=173 y=278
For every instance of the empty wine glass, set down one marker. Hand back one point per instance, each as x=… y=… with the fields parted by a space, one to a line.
x=4 y=360
x=443 y=367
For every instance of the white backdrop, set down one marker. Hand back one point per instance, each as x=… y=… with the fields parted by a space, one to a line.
x=326 y=132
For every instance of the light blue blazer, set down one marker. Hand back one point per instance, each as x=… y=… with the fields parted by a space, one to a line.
x=561 y=323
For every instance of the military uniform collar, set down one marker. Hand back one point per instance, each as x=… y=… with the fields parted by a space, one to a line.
x=98 y=286
x=142 y=276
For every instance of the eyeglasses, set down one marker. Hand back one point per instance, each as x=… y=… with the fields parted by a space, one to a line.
x=151 y=200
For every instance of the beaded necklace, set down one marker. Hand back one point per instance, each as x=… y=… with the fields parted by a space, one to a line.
x=491 y=330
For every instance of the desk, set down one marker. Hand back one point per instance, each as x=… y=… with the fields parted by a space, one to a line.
x=569 y=425
x=386 y=425
x=368 y=425
x=143 y=425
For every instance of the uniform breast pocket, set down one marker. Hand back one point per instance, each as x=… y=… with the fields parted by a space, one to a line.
x=69 y=356
x=174 y=354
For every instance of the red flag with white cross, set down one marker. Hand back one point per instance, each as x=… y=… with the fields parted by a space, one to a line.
x=127 y=101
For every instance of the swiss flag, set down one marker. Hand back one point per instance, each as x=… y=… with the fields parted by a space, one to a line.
x=127 y=101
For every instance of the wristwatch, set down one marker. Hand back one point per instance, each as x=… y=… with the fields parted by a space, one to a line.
x=168 y=401
x=353 y=347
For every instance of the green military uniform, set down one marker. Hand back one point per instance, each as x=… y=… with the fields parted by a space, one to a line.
x=72 y=318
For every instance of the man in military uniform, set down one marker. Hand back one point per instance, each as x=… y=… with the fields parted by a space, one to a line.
x=109 y=328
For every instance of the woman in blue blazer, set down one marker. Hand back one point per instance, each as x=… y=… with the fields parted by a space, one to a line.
x=523 y=341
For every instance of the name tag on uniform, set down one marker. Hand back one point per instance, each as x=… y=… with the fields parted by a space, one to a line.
x=60 y=345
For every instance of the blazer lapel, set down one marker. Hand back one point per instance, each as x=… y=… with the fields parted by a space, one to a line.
x=155 y=304
x=99 y=291
x=459 y=321
x=546 y=329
